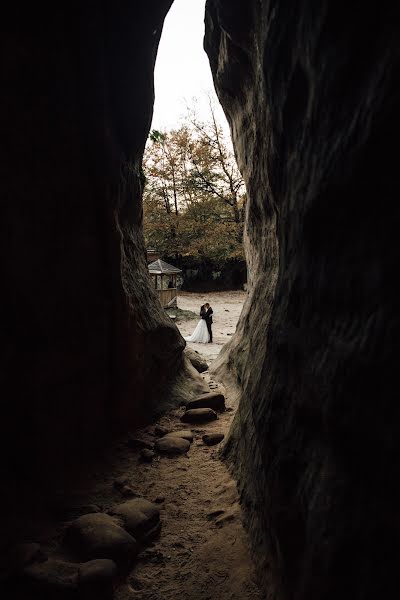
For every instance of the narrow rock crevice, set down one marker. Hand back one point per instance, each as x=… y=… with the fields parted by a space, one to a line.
x=311 y=93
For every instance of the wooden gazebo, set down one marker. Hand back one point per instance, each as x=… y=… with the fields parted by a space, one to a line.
x=164 y=277
x=152 y=255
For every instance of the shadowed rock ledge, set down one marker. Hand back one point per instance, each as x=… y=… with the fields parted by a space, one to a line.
x=86 y=348
x=311 y=92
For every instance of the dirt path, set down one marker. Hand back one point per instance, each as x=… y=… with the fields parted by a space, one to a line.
x=203 y=551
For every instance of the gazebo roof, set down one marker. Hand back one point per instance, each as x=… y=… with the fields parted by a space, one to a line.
x=160 y=267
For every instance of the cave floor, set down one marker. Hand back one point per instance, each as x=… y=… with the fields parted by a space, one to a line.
x=202 y=552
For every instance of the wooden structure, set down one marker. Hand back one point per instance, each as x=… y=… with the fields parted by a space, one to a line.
x=152 y=255
x=164 y=278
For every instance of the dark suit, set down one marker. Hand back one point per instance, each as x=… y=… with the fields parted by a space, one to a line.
x=208 y=319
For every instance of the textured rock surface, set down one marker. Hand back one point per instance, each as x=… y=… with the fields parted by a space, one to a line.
x=100 y=536
x=172 y=445
x=196 y=359
x=212 y=400
x=311 y=94
x=211 y=439
x=96 y=579
x=85 y=346
x=186 y=434
x=139 y=517
x=147 y=455
x=199 y=415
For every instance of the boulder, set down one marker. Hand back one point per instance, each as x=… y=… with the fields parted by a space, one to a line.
x=160 y=431
x=100 y=536
x=211 y=439
x=214 y=400
x=196 y=359
x=172 y=445
x=140 y=517
x=199 y=415
x=185 y=434
x=137 y=444
x=96 y=579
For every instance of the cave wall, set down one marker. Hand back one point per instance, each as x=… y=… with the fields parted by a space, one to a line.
x=311 y=92
x=85 y=348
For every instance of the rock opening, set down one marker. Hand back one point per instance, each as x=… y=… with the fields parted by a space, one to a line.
x=311 y=95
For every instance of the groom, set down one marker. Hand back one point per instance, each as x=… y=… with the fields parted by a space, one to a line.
x=208 y=319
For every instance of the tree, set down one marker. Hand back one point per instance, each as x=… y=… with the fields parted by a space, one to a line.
x=194 y=194
x=214 y=166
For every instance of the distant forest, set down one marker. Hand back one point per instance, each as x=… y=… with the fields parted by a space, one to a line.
x=194 y=195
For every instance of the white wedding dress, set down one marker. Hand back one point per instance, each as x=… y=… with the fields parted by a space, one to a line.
x=200 y=334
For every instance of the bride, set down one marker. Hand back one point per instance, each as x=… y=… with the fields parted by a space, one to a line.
x=200 y=334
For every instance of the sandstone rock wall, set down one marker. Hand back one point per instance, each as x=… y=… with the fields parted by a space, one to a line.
x=311 y=91
x=85 y=348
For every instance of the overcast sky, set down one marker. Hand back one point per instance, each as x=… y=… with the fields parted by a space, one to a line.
x=182 y=69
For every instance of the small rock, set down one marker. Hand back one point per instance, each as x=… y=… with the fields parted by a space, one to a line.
x=172 y=445
x=199 y=415
x=121 y=482
x=96 y=579
x=229 y=409
x=211 y=439
x=147 y=455
x=196 y=359
x=138 y=444
x=52 y=576
x=159 y=499
x=160 y=431
x=127 y=492
x=140 y=517
x=185 y=434
x=100 y=536
x=214 y=400
x=215 y=513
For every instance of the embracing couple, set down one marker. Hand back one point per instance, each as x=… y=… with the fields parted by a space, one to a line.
x=203 y=332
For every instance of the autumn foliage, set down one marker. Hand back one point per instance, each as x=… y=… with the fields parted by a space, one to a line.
x=194 y=195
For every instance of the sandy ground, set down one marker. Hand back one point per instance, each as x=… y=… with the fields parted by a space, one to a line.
x=227 y=307
x=202 y=551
